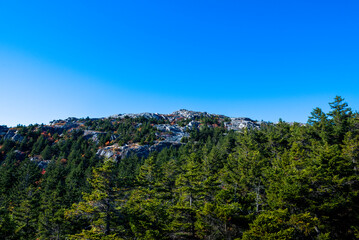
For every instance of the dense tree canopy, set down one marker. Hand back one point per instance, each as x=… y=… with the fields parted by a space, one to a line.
x=280 y=181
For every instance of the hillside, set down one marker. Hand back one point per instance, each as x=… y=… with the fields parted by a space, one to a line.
x=123 y=135
x=185 y=175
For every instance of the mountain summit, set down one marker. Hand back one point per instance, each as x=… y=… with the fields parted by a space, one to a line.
x=123 y=135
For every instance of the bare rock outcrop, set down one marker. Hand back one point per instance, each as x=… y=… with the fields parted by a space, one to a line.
x=13 y=135
x=129 y=150
x=241 y=123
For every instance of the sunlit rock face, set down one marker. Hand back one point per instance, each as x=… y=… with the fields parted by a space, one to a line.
x=13 y=135
x=241 y=123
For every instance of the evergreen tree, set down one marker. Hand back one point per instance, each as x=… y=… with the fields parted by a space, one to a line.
x=100 y=207
x=7 y=225
x=147 y=206
x=25 y=214
x=340 y=113
x=189 y=190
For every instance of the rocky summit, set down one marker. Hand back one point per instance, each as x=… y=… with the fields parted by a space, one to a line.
x=122 y=135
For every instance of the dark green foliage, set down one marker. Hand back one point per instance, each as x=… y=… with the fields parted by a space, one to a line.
x=282 y=181
x=7 y=224
x=25 y=213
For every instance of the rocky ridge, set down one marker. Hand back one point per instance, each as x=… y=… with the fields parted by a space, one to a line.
x=170 y=133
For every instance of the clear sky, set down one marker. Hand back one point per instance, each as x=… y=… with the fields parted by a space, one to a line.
x=260 y=59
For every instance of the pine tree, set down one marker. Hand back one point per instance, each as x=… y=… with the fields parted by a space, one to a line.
x=25 y=214
x=7 y=225
x=350 y=149
x=189 y=191
x=147 y=205
x=279 y=224
x=52 y=222
x=100 y=207
x=8 y=175
x=47 y=153
x=340 y=113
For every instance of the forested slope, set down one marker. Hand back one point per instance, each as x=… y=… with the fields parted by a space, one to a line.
x=276 y=181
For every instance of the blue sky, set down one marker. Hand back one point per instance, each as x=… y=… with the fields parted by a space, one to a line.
x=260 y=59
